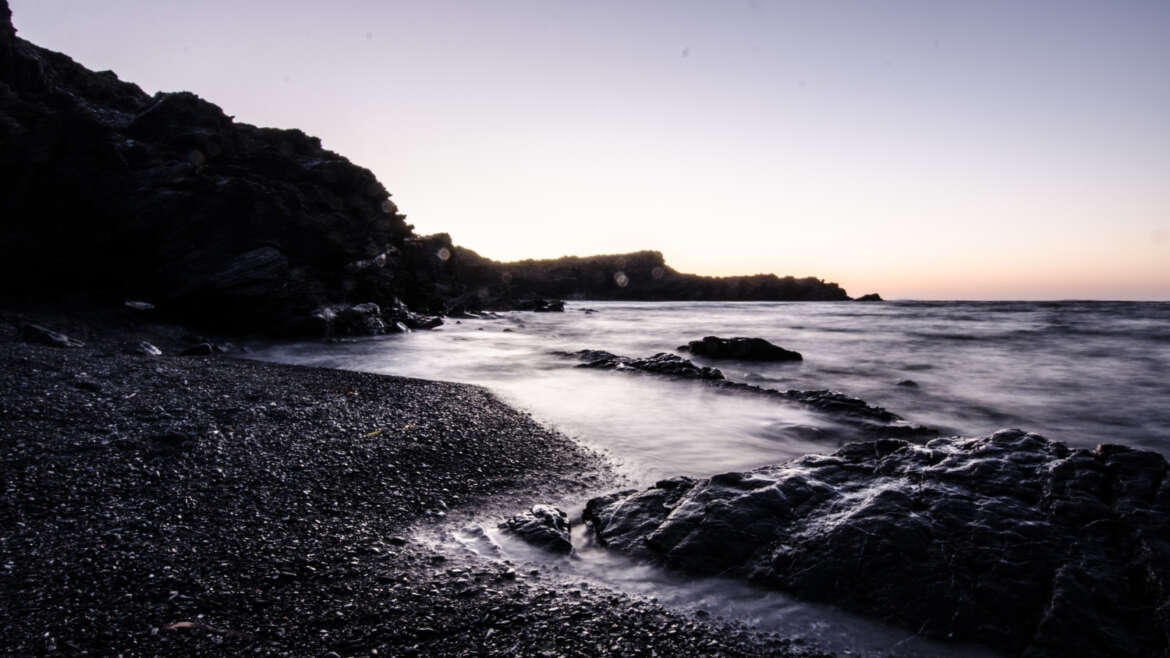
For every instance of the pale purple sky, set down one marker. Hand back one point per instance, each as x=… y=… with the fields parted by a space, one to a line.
x=926 y=149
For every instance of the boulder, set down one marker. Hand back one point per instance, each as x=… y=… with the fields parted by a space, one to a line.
x=1009 y=540
x=38 y=335
x=871 y=297
x=742 y=349
x=359 y=320
x=544 y=526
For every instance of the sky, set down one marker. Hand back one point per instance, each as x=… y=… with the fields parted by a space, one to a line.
x=928 y=149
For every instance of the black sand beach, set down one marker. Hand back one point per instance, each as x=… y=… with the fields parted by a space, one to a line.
x=181 y=505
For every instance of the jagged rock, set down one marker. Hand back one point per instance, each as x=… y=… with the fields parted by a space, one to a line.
x=1008 y=540
x=743 y=349
x=871 y=297
x=661 y=364
x=38 y=335
x=398 y=313
x=544 y=526
x=359 y=320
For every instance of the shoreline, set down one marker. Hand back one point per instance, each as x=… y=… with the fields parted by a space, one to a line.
x=211 y=506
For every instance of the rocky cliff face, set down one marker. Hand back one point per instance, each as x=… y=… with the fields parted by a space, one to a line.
x=109 y=190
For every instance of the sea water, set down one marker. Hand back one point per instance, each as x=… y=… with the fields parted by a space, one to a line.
x=1079 y=372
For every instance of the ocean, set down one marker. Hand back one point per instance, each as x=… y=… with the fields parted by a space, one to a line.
x=1080 y=372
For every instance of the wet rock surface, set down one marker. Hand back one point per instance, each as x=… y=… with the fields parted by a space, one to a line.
x=739 y=348
x=208 y=506
x=1009 y=540
x=857 y=416
x=544 y=526
x=659 y=364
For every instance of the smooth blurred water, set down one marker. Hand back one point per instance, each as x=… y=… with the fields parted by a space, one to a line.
x=1079 y=372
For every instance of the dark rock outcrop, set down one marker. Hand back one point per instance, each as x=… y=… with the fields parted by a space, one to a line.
x=865 y=420
x=120 y=195
x=659 y=364
x=742 y=349
x=871 y=297
x=38 y=335
x=544 y=526
x=1008 y=540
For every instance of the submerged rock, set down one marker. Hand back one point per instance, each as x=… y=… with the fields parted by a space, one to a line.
x=1009 y=540
x=661 y=363
x=743 y=349
x=38 y=335
x=544 y=526
x=867 y=420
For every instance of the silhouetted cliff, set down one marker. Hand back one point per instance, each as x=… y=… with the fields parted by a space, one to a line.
x=112 y=192
x=640 y=275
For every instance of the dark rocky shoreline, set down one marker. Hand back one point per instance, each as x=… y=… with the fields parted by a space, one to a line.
x=1009 y=540
x=169 y=505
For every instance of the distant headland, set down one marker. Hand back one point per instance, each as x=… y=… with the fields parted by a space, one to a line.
x=640 y=275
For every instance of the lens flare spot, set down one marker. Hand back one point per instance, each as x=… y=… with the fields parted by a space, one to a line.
x=444 y=254
x=621 y=279
x=657 y=273
x=388 y=206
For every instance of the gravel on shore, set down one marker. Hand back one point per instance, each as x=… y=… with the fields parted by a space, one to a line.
x=205 y=505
